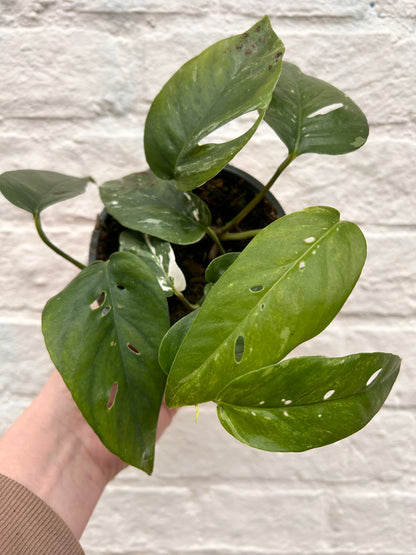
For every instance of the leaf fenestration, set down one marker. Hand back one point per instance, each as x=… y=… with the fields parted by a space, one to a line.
x=310 y=115
x=298 y=290
x=204 y=95
x=115 y=340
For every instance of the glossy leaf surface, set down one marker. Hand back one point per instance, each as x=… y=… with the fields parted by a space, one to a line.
x=230 y=78
x=310 y=115
x=158 y=255
x=307 y=402
x=172 y=340
x=284 y=288
x=103 y=341
x=143 y=202
x=35 y=190
x=219 y=265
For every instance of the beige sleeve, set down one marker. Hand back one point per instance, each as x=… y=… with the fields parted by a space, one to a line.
x=28 y=526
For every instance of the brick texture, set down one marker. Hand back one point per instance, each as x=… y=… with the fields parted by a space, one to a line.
x=77 y=79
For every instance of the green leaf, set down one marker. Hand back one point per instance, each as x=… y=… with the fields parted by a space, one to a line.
x=307 y=402
x=230 y=78
x=219 y=265
x=35 y=190
x=103 y=333
x=158 y=255
x=143 y=202
x=310 y=115
x=284 y=288
x=173 y=339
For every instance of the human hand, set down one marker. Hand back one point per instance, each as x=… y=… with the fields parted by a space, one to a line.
x=53 y=451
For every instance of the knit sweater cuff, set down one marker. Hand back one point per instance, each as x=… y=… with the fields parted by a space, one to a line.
x=28 y=526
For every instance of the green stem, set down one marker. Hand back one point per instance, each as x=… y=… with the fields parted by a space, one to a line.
x=259 y=197
x=184 y=300
x=239 y=236
x=215 y=238
x=42 y=235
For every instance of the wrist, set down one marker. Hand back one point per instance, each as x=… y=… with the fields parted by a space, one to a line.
x=52 y=451
x=102 y=464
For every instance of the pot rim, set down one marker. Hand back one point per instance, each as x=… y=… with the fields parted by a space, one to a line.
x=257 y=185
x=251 y=181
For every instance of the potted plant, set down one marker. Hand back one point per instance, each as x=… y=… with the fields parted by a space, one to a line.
x=109 y=332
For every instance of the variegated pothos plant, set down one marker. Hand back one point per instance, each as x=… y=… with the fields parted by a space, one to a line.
x=108 y=331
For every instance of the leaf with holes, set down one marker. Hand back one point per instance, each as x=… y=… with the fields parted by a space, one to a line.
x=219 y=265
x=307 y=402
x=284 y=288
x=158 y=255
x=204 y=95
x=105 y=344
x=310 y=115
x=172 y=340
x=35 y=190
x=143 y=202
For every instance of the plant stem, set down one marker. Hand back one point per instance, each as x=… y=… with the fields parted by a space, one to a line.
x=240 y=235
x=259 y=197
x=42 y=235
x=184 y=300
x=215 y=238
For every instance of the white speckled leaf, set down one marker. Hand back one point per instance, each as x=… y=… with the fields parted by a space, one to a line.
x=307 y=402
x=158 y=255
x=284 y=288
x=310 y=115
x=230 y=78
x=143 y=202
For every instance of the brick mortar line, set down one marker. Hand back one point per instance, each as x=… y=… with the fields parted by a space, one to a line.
x=368 y=22
x=313 y=488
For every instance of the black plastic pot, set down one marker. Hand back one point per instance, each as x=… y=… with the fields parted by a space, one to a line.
x=254 y=185
x=107 y=229
x=226 y=195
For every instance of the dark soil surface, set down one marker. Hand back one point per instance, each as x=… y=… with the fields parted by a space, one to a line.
x=226 y=195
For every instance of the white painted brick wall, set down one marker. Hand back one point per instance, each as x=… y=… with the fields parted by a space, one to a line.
x=77 y=77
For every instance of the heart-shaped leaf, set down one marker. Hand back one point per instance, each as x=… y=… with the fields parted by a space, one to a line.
x=35 y=190
x=143 y=202
x=158 y=255
x=105 y=345
x=307 y=402
x=230 y=78
x=284 y=288
x=172 y=340
x=310 y=115
x=219 y=265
